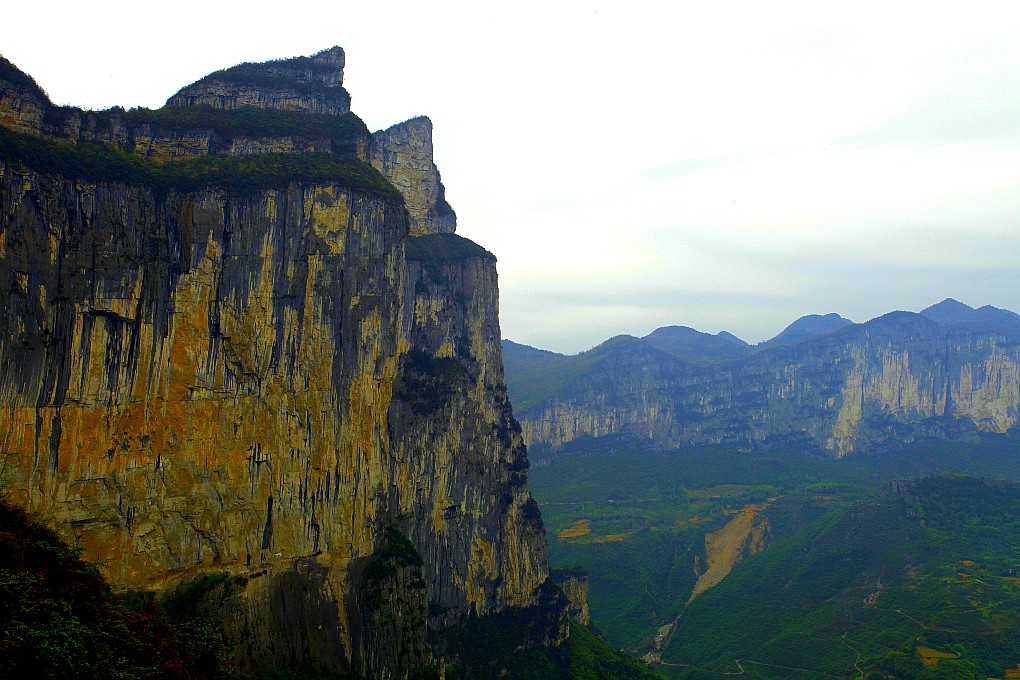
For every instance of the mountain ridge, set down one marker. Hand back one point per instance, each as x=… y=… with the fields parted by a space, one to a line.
x=839 y=387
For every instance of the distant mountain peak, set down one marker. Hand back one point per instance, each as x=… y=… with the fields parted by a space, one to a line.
x=952 y=312
x=726 y=335
x=688 y=332
x=615 y=341
x=1005 y=313
x=949 y=303
x=949 y=311
x=807 y=327
x=690 y=344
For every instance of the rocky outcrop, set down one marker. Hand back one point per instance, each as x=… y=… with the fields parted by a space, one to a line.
x=22 y=102
x=574 y=584
x=392 y=607
x=313 y=84
x=253 y=370
x=289 y=106
x=892 y=380
x=403 y=153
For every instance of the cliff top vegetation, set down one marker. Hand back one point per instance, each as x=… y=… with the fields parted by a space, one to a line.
x=444 y=248
x=17 y=77
x=319 y=76
x=104 y=163
x=249 y=122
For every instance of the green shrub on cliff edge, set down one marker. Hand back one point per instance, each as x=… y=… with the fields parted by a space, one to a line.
x=444 y=248
x=396 y=553
x=60 y=619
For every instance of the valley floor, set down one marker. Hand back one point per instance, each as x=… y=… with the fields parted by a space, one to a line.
x=713 y=563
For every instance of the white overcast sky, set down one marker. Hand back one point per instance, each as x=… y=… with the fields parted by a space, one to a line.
x=725 y=166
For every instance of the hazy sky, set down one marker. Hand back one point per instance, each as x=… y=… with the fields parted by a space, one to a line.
x=727 y=165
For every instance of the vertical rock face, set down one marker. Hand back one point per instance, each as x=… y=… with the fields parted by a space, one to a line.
x=466 y=467
x=266 y=379
x=403 y=153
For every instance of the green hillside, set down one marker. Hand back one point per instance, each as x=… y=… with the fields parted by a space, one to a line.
x=539 y=374
x=637 y=520
x=919 y=581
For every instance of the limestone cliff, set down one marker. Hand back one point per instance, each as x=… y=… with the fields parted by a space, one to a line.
x=223 y=352
x=451 y=406
x=897 y=378
x=289 y=106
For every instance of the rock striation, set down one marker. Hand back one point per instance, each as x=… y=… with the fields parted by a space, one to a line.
x=313 y=84
x=224 y=351
x=859 y=388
